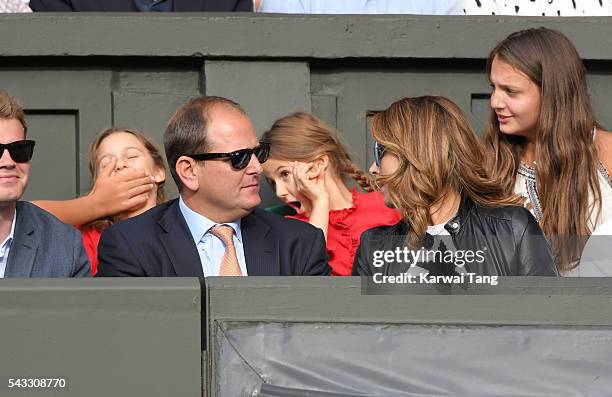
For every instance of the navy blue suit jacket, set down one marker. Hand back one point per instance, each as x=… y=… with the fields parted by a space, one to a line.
x=158 y=244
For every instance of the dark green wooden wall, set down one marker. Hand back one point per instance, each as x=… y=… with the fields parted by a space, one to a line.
x=79 y=73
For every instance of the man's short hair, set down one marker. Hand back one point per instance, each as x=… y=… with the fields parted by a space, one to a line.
x=10 y=109
x=187 y=129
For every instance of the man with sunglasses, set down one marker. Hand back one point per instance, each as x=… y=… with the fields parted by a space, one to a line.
x=214 y=228
x=33 y=243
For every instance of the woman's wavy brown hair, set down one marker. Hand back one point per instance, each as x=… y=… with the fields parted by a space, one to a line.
x=437 y=151
x=301 y=136
x=158 y=161
x=566 y=158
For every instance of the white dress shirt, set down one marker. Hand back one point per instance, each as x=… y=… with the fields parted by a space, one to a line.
x=5 y=247
x=210 y=247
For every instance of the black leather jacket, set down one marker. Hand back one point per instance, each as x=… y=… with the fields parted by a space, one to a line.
x=509 y=240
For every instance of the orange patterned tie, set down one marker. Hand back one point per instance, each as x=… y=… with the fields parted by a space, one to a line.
x=229 y=263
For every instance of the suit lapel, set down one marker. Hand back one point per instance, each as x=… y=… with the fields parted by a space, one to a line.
x=179 y=244
x=24 y=246
x=260 y=248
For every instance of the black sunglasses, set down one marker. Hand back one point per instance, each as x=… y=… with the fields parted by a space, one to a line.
x=240 y=158
x=20 y=151
x=379 y=151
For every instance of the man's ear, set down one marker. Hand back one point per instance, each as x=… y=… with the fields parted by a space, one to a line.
x=187 y=169
x=319 y=166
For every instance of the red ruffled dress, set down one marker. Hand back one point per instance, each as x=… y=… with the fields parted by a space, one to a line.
x=91 y=238
x=346 y=226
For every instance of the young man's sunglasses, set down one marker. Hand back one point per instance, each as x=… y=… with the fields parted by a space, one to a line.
x=240 y=158
x=20 y=151
x=379 y=151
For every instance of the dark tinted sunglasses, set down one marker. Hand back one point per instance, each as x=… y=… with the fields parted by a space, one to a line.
x=20 y=151
x=379 y=151
x=240 y=158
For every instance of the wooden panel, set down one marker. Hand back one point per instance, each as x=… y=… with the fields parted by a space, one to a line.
x=108 y=337
x=325 y=108
x=266 y=90
x=55 y=169
x=532 y=302
x=600 y=89
x=72 y=106
x=479 y=110
x=217 y=35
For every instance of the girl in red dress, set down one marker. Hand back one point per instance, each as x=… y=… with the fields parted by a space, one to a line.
x=115 y=151
x=307 y=169
x=128 y=173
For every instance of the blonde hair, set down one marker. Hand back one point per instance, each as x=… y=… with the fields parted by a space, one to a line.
x=437 y=151
x=301 y=136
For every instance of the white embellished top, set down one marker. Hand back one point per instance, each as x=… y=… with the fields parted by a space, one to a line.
x=525 y=186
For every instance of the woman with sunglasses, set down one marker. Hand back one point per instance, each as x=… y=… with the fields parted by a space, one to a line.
x=545 y=143
x=117 y=152
x=306 y=169
x=431 y=168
